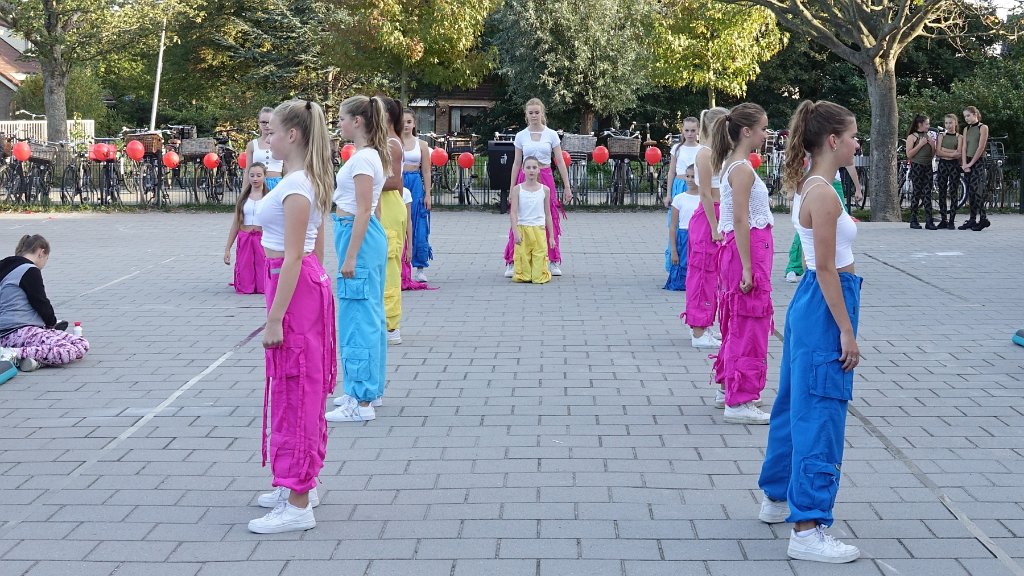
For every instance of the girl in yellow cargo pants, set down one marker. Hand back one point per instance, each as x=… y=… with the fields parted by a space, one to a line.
x=531 y=225
x=394 y=219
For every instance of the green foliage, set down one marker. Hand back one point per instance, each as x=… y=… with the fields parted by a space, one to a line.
x=706 y=44
x=85 y=96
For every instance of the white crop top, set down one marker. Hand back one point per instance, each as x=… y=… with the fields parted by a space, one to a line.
x=364 y=161
x=270 y=211
x=531 y=207
x=687 y=204
x=263 y=156
x=249 y=212
x=716 y=180
x=846 y=233
x=760 y=209
x=413 y=157
x=685 y=157
x=542 y=149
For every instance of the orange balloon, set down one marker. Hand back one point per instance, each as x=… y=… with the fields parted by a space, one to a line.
x=22 y=151
x=755 y=160
x=652 y=155
x=347 y=151
x=135 y=150
x=438 y=157
x=171 y=159
x=243 y=160
x=566 y=157
x=111 y=152
x=466 y=160
x=600 y=155
x=211 y=160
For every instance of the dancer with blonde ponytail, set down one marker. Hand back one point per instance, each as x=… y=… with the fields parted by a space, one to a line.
x=362 y=247
x=800 y=475
x=745 y=263
x=299 y=337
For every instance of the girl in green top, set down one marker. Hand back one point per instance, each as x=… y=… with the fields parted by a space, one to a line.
x=920 y=151
x=975 y=142
x=949 y=151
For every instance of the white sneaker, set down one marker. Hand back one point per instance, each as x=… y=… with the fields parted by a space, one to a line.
x=746 y=413
x=28 y=364
x=10 y=354
x=284 y=518
x=378 y=402
x=351 y=412
x=720 y=399
x=554 y=269
x=820 y=546
x=791 y=277
x=394 y=337
x=510 y=270
x=280 y=494
x=773 y=512
x=707 y=340
x=419 y=275
x=344 y=398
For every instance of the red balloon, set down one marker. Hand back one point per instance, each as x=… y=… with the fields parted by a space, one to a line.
x=347 y=151
x=111 y=152
x=243 y=160
x=438 y=157
x=22 y=151
x=211 y=160
x=466 y=160
x=755 y=160
x=171 y=159
x=600 y=154
x=566 y=157
x=135 y=150
x=652 y=155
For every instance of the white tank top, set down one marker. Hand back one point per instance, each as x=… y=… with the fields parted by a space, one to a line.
x=263 y=156
x=412 y=157
x=686 y=156
x=716 y=181
x=760 y=209
x=531 y=207
x=249 y=213
x=846 y=232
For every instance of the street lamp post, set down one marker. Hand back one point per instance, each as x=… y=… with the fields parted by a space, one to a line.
x=159 y=71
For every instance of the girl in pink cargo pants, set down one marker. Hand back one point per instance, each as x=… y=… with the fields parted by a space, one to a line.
x=250 y=269
x=299 y=337
x=744 y=264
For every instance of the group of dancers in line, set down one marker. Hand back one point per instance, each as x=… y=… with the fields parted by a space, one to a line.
x=730 y=236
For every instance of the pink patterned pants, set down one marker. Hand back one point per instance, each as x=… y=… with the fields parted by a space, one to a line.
x=50 y=347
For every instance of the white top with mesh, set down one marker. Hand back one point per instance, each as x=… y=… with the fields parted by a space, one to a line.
x=760 y=208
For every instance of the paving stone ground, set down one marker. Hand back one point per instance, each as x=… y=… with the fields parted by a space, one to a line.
x=555 y=430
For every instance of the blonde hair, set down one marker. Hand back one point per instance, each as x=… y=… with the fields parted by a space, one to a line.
x=725 y=131
x=246 y=191
x=543 y=109
x=811 y=125
x=975 y=111
x=707 y=118
x=956 y=121
x=307 y=118
x=373 y=111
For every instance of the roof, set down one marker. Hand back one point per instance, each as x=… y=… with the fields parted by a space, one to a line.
x=14 y=66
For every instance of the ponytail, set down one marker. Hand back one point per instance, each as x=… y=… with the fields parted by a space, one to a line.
x=725 y=131
x=810 y=127
x=307 y=118
x=377 y=131
x=707 y=118
x=247 y=190
x=30 y=244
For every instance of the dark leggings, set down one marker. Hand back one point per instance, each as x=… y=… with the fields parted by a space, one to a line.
x=948 y=185
x=977 y=183
x=921 y=178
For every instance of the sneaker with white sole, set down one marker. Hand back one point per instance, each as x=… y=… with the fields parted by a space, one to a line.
x=351 y=411
x=792 y=278
x=554 y=269
x=510 y=270
x=394 y=337
x=378 y=402
x=719 y=398
x=773 y=512
x=820 y=546
x=28 y=364
x=706 y=340
x=10 y=354
x=344 y=398
x=419 y=275
x=746 y=413
x=280 y=494
x=284 y=518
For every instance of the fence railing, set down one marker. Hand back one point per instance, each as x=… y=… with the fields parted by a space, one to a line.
x=627 y=185
x=36 y=129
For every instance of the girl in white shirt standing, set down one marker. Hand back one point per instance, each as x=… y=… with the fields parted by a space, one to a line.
x=541 y=142
x=250 y=268
x=258 y=150
x=299 y=337
x=800 y=474
x=416 y=177
x=530 y=212
x=745 y=263
x=683 y=206
x=362 y=247
x=684 y=154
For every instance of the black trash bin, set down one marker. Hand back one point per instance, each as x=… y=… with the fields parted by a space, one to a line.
x=500 y=155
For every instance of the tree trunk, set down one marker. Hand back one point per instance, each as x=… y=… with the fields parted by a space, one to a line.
x=405 y=87
x=587 y=121
x=885 y=197
x=55 y=104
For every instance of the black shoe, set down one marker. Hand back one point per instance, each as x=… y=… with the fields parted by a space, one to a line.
x=931 y=226
x=62 y=325
x=967 y=225
x=981 y=225
x=952 y=225
x=943 y=224
x=915 y=225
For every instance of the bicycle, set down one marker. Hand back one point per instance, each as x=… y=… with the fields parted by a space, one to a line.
x=623 y=147
x=40 y=175
x=76 y=180
x=111 y=178
x=149 y=173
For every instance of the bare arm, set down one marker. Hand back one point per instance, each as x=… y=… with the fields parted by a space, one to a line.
x=425 y=172
x=559 y=161
x=548 y=223
x=671 y=180
x=707 y=199
x=516 y=165
x=742 y=183
x=673 y=226
x=248 y=153
x=318 y=245
x=296 y=215
x=513 y=212
x=857 y=190
x=361 y=222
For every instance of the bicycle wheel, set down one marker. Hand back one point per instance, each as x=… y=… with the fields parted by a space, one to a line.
x=208 y=181
x=67 y=184
x=45 y=183
x=149 y=183
x=616 y=196
x=218 y=184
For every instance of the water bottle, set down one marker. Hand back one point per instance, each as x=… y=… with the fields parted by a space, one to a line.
x=77 y=330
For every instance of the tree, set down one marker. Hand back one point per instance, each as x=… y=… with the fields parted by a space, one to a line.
x=65 y=34
x=871 y=35
x=592 y=56
x=706 y=44
x=85 y=95
x=433 y=41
